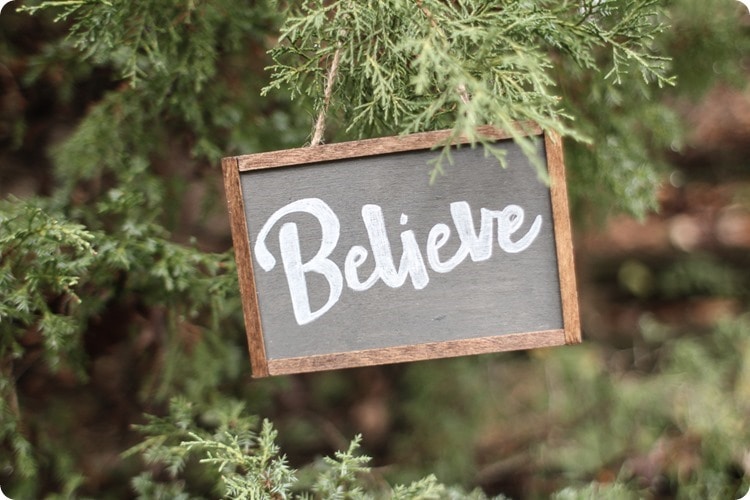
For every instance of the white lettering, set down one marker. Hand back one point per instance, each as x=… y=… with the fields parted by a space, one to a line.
x=412 y=265
x=508 y=223
x=411 y=259
x=292 y=258
x=479 y=247
x=438 y=236
x=356 y=257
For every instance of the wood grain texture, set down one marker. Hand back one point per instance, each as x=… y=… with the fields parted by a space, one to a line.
x=370 y=147
x=244 y=261
x=419 y=352
x=563 y=237
x=501 y=293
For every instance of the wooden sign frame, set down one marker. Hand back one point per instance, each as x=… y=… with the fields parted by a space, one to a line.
x=262 y=366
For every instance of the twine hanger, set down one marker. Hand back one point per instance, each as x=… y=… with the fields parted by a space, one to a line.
x=320 y=123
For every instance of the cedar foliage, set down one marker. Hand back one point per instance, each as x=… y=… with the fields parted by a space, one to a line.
x=408 y=66
x=103 y=253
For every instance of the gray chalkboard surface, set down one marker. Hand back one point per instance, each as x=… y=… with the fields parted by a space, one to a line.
x=349 y=257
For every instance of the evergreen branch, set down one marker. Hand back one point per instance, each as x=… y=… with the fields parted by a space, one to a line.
x=69 y=7
x=493 y=59
x=461 y=87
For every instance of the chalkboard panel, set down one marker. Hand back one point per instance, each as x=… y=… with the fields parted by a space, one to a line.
x=348 y=256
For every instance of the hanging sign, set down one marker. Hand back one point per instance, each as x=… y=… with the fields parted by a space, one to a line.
x=347 y=256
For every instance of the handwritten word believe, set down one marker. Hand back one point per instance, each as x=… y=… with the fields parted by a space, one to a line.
x=478 y=247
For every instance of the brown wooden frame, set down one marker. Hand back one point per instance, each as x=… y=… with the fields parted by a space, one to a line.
x=262 y=366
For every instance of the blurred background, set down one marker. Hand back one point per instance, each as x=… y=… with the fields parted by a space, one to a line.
x=656 y=401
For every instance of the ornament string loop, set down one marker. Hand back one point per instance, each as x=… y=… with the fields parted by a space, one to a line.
x=320 y=123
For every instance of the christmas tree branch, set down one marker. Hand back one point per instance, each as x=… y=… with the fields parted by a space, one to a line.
x=461 y=87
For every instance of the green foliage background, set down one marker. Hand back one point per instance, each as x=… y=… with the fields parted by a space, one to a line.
x=122 y=353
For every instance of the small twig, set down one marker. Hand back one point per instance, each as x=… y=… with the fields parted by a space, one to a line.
x=320 y=124
x=463 y=94
x=429 y=15
x=11 y=396
x=461 y=88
